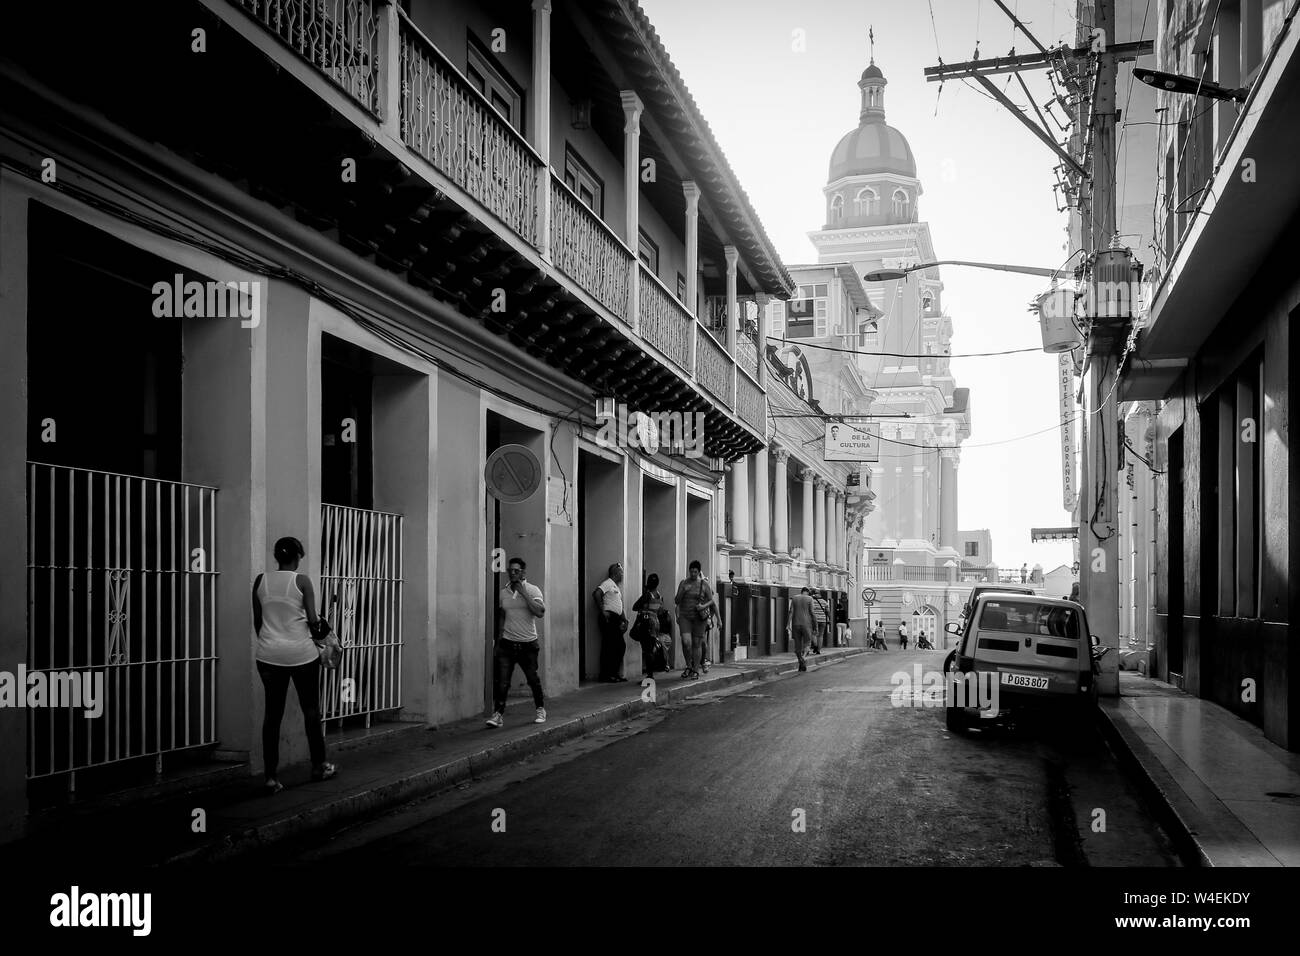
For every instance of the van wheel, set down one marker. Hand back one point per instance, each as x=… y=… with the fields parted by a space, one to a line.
x=955 y=719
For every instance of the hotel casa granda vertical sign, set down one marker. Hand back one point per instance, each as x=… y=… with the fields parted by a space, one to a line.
x=1067 y=411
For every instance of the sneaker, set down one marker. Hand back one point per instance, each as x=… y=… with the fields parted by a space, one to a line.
x=541 y=716
x=324 y=772
x=496 y=720
x=273 y=786
x=802 y=667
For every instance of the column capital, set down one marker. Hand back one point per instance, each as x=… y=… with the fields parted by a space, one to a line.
x=732 y=255
x=950 y=453
x=839 y=495
x=819 y=483
x=632 y=108
x=542 y=6
x=691 y=191
x=779 y=454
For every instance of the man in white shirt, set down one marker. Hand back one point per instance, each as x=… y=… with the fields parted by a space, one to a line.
x=521 y=605
x=609 y=608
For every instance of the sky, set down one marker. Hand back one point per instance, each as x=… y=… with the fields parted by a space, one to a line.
x=777 y=82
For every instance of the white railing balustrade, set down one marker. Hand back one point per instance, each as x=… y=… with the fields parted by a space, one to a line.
x=587 y=251
x=361 y=588
x=450 y=124
x=338 y=37
x=121 y=588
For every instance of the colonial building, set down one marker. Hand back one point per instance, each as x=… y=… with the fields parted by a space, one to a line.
x=291 y=267
x=1217 y=351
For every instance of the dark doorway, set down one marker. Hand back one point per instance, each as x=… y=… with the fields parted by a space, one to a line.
x=347 y=440
x=1174 y=562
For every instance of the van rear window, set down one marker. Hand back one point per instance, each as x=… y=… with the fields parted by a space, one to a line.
x=1026 y=617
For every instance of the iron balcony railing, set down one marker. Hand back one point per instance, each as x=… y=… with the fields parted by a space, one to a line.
x=361 y=585
x=340 y=38
x=713 y=367
x=450 y=124
x=121 y=590
x=588 y=252
x=665 y=323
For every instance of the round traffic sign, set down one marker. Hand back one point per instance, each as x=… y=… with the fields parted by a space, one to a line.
x=513 y=474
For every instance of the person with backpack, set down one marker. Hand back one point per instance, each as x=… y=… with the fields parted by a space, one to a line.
x=285 y=624
x=648 y=630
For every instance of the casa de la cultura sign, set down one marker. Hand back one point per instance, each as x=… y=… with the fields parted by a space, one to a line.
x=850 y=442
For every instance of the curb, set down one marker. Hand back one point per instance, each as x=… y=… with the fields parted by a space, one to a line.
x=425 y=783
x=1175 y=810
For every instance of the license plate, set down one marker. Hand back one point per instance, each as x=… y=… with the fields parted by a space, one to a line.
x=1025 y=680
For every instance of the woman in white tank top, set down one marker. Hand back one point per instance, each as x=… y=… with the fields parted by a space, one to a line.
x=284 y=616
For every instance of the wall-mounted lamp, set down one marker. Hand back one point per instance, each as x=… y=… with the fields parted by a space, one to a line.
x=581 y=114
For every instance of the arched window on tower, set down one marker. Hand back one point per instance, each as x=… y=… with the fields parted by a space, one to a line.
x=902 y=205
x=927 y=302
x=867 y=202
x=837 y=208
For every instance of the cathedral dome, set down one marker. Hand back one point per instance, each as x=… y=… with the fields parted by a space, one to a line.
x=875 y=146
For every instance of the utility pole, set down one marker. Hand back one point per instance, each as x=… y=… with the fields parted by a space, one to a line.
x=1099 y=532
x=1088 y=74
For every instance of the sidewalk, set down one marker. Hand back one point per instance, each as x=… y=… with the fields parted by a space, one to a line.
x=1233 y=798
x=405 y=764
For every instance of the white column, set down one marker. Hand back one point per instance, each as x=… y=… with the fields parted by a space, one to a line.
x=720 y=511
x=540 y=122
x=918 y=502
x=692 y=193
x=780 y=515
x=632 y=108
x=948 y=498
x=819 y=519
x=762 y=519
x=809 y=535
x=738 y=492
x=733 y=317
x=841 y=537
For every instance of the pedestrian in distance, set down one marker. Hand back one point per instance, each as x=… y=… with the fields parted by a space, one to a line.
x=821 y=621
x=878 y=637
x=802 y=621
x=517 y=643
x=902 y=635
x=285 y=622
x=613 y=624
x=695 y=605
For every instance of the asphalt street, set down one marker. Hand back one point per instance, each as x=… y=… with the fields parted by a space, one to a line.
x=836 y=767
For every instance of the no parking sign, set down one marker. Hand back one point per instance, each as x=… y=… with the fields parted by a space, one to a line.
x=513 y=474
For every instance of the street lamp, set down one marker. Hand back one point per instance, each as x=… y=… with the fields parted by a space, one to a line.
x=885 y=275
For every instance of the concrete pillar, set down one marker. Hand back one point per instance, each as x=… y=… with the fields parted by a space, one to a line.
x=948 y=458
x=692 y=193
x=808 y=527
x=841 y=536
x=762 y=510
x=738 y=488
x=632 y=108
x=819 y=519
x=763 y=299
x=733 y=313
x=918 y=501
x=540 y=120
x=13 y=497
x=781 y=516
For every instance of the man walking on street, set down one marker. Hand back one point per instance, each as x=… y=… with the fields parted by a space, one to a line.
x=521 y=604
x=609 y=606
x=801 y=624
x=902 y=635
